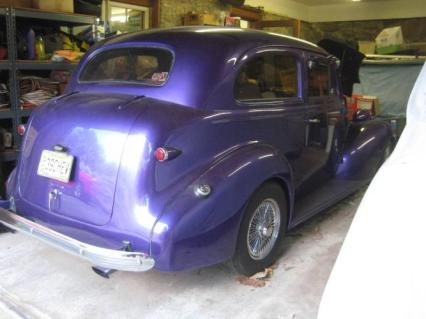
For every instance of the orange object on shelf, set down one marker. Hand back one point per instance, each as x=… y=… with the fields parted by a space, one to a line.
x=69 y=55
x=361 y=102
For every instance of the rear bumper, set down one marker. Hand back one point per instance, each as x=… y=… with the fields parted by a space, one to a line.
x=98 y=256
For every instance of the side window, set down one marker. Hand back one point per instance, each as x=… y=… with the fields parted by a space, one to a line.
x=269 y=76
x=318 y=79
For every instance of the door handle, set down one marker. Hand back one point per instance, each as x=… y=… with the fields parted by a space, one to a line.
x=314 y=121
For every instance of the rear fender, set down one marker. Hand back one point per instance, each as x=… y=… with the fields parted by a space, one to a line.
x=363 y=150
x=198 y=231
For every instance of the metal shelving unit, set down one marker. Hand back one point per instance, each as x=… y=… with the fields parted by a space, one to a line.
x=62 y=18
x=14 y=16
x=6 y=114
x=4 y=65
x=44 y=65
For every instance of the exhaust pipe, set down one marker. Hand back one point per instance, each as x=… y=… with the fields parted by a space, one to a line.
x=105 y=272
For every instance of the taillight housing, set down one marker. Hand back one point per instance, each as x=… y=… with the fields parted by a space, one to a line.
x=21 y=129
x=166 y=153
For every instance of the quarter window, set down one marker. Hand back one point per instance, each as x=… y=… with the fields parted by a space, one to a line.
x=269 y=76
x=318 y=79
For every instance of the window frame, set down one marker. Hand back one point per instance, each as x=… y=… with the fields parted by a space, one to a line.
x=277 y=101
x=321 y=60
x=105 y=50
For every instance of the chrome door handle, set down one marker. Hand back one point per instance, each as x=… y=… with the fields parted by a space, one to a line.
x=314 y=121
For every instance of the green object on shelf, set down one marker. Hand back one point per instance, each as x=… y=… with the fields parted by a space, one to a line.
x=389 y=49
x=39 y=48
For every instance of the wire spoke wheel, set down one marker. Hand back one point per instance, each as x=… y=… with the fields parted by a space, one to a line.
x=264 y=227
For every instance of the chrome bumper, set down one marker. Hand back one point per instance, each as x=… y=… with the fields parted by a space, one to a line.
x=98 y=256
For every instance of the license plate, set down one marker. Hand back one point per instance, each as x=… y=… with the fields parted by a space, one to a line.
x=55 y=165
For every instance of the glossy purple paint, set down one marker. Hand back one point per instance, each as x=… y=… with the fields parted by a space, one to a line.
x=118 y=191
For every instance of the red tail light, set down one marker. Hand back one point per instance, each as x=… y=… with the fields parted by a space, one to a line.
x=162 y=154
x=21 y=129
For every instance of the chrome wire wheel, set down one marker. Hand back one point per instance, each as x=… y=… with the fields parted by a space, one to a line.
x=264 y=228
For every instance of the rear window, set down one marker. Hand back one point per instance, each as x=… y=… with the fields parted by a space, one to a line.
x=149 y=66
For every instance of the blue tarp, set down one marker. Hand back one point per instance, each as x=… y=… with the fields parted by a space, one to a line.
x=391 y=83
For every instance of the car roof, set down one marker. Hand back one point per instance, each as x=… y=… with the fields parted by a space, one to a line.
x=205 y=59
x=219 y=35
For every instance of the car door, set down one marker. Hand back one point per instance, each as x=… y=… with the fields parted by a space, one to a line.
x=323 y=113
x=269 y=87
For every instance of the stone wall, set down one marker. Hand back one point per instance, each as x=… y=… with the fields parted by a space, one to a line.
x=172 y=11
x=266 y=16
x=414 y=30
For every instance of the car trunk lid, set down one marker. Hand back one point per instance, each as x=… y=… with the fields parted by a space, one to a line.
x=93 y=129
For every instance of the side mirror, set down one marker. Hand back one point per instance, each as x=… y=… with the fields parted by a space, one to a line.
x=361 y=116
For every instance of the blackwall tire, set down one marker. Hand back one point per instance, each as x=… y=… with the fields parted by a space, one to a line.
x=262 y=229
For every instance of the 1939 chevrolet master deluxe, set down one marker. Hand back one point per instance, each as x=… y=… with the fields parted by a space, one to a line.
x=180 y=148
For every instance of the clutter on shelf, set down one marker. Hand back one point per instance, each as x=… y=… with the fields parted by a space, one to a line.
x=36 y=90
x=4 y=96
x=391 y=41
x=57 y=46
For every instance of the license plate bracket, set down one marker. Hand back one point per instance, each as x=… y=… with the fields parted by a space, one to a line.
x=55 y=165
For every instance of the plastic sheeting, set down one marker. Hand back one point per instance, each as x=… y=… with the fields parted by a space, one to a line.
x=381 y=269
x=391 y=83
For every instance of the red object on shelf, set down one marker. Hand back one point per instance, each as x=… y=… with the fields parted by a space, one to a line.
x=3 y=53
x=27 y=105
x=351 y=106
x=21 y=129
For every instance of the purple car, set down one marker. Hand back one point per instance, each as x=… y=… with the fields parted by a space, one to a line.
x=180 y=148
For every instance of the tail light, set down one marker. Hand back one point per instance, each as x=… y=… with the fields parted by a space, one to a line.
x=21 y=129
x=165 y=153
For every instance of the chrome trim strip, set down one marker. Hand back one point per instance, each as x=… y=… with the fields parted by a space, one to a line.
x=98 y=256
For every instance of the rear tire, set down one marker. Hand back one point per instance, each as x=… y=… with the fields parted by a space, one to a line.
x=262 y=229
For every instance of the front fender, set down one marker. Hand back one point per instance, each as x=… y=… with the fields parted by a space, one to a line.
x=195 y=231
x=363 y=151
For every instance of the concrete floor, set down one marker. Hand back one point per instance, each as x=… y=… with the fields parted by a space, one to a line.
x=38 y=282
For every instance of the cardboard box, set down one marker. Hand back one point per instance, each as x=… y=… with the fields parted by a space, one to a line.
x=16 y=3
x=193 y=18
x=367 y=47
x=54 y=5
x=369 y=103
x=389 y=40
x=233 y=22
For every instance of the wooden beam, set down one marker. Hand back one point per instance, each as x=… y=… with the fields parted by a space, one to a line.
x=291 y=23
x=251 y=15
x=277 y=23
x=143 y=3
x=155 y=14
x=296 y=28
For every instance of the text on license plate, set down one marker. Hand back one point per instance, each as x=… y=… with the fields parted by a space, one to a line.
x=55 y=165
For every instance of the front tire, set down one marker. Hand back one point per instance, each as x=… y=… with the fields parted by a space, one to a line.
x=263 y=226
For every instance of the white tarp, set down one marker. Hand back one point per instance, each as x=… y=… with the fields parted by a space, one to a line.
x=381 y=269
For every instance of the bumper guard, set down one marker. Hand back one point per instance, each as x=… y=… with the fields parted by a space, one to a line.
x=98 y=256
